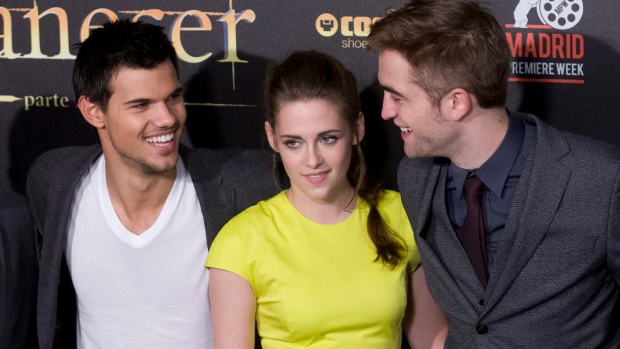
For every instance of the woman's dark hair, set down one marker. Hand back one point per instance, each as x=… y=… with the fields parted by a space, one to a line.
x=311 y=75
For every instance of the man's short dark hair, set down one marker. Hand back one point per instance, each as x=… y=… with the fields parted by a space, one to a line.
x=118 y=44
x=449 y=44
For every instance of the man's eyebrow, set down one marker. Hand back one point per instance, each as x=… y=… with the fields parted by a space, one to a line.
x=392 y=91
x=138 y=101
x=178 y=90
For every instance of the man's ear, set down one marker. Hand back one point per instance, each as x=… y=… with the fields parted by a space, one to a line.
x=271 y=136
x=457 y=104
x=361 y=128
x=91 y=112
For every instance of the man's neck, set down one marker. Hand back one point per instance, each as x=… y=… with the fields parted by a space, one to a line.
x=138 y=198
x=484 y=132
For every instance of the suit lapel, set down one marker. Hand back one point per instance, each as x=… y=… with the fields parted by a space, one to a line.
x=61 y=195
x=450 y=276
x=539 y=192
x=426 y=202
x=465 y=287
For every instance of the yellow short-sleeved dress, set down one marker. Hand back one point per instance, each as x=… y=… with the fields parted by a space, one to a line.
x=317 y=285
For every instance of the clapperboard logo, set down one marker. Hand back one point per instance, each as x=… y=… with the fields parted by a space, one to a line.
x=558 y=14
x=549 y=52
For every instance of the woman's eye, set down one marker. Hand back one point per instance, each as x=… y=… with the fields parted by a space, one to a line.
x=329 y=139
x=292 y=144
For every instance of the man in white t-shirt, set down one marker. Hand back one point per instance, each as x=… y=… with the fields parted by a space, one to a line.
x=124 y=227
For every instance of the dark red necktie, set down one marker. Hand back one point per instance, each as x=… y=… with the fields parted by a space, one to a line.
x=472 y=233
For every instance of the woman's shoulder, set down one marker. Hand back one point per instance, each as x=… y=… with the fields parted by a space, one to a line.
x=253 y=216
x=393 y=212
x=390 y=199
x=391 y=195
x=269 y=207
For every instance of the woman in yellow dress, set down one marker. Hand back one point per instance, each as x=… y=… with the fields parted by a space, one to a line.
x=330 y=262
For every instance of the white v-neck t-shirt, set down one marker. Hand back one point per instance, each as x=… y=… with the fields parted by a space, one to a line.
x=139 y=291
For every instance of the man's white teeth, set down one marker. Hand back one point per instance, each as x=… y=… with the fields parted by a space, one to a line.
x=161 y=139
x=405 y=129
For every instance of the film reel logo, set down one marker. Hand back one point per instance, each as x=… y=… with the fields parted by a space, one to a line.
x=559 y=14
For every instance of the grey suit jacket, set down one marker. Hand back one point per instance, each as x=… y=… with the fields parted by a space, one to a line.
x=555 y=282
x=18 y=274
x=226 y=181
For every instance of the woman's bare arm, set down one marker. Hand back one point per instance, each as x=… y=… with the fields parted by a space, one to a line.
x=233 y=309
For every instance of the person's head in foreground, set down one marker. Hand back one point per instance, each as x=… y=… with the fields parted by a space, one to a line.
x=315 y=124
x=127 y=86
x=441 y=62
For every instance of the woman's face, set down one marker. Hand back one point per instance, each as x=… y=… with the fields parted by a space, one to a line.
x=315 y=144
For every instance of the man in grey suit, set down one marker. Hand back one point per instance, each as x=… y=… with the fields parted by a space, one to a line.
x=124 y=227
x=517 y=223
